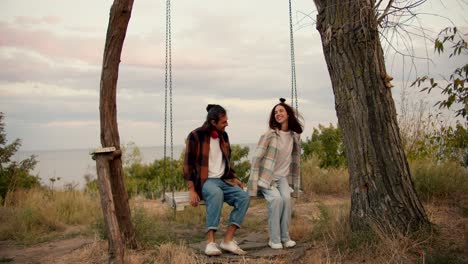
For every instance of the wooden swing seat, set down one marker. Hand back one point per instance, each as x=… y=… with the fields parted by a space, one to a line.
x=181 y=199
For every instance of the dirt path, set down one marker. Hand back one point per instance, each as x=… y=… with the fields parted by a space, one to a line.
x=64 y=250
x=41 y=253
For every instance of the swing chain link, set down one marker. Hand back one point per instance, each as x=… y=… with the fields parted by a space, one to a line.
x=168 y=85
x=293 y=61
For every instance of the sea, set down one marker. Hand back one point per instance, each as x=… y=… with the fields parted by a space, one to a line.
x=59 y=168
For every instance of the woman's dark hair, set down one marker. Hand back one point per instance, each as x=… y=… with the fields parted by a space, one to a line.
x=214 y=113
x=294 y=123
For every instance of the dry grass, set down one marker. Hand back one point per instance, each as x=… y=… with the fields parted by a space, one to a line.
x=36 y=215
x=439 y=181
x=321 y=219
x=323 y=181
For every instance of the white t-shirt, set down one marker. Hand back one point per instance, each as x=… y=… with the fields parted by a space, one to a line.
x=284 y=157
x=216 y=163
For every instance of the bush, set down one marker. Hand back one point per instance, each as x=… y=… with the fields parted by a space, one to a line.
x=326 y=143
x=14 y=175
x=240 y=162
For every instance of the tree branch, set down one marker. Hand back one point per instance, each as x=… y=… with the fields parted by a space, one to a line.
x=379 y=20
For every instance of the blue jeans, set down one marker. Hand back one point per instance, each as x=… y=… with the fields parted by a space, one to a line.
x=215 y=193
x=279 y=210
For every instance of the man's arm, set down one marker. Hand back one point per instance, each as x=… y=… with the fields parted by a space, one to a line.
x=193 y=195
x=190 y=168
x=234 y=180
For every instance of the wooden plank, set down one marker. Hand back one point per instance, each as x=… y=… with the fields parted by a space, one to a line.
x=103 y=150
x=179 y=200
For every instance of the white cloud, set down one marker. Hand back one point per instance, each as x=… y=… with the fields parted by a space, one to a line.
x=232 y=53
x=48 y=91
x=71 y=124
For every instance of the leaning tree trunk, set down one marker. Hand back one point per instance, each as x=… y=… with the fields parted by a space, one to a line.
x=118 y=21
x=382 y=192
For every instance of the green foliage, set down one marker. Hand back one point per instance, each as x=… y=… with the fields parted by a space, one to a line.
x=164 y=175
x=432 y=139
x=447 y=142
x=327 y=144
x=13 y=174
x=454 y=89
x=240 y=162
x=153 y=179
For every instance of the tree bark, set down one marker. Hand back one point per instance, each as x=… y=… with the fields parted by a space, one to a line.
x=118 y=22
x=382 y=191
x=116 y=247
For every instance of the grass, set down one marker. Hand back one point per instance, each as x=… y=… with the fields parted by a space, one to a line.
x=439 y=181
x=39 y=215
x=323 y=181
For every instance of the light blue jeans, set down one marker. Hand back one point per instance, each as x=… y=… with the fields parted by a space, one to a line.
x=279 y=210
x=215 y=193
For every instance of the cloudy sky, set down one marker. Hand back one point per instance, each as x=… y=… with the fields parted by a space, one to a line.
x=235 y=53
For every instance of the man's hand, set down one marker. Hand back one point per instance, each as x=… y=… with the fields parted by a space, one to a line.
x=194 y=198
x=235 y=182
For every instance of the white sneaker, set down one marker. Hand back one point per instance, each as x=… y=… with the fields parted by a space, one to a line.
x=212 y=249
x=289 y=244
x=232 y=247
x=275 y=245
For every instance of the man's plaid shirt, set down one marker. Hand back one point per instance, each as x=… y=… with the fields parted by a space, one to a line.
x=197 y=156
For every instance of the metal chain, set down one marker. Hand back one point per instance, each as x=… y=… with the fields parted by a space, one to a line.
x=293 y=77
x=293 y=61
x=167 y=83
x=170 y=106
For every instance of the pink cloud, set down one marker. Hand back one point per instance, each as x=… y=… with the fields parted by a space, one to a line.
x=50 y=44
x=27 y=20
x=137 y=51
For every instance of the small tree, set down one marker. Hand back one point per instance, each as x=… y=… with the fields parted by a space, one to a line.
x=454 y=88
x=327 y=144
x=240 y=162
x=13 y=174
x=451 y=141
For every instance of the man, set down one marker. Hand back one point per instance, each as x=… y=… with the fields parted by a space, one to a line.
x=210 y=176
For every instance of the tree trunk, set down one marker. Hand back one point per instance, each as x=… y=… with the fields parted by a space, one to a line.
x=118 y=21
x=116 y=247
x=382 y=192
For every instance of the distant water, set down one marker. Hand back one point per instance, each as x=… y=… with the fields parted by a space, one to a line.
x=72 y=165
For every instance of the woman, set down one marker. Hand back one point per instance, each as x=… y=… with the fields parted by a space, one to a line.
x=275 y=167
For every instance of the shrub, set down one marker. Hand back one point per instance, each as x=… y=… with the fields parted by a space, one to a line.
x=326 y=143
x=14 y=175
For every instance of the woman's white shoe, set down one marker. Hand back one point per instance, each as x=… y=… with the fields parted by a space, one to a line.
x=289 y=244
x=275 y=245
